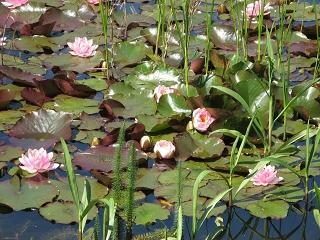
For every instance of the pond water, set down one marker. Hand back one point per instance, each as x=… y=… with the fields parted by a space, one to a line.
x=94 y=93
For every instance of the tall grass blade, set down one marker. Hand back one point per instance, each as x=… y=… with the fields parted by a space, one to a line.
x=179 y=224
x=210 y=207
x=200 y=177
x=71 y=175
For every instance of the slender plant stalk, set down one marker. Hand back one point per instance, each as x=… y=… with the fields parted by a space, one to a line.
x=184 y=36
x=116 y=184
x=104 y=15
x=132 y=170
x=209 y=30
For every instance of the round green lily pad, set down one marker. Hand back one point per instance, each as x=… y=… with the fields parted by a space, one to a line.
x=63 y=212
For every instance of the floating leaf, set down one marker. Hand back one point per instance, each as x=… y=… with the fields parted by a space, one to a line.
x=194 y=144
x=8 y=153
x=149 y=213
x=127 y=53
x=97 y=190
x=102 y=158
x=274 y=209
x=43 y=124
x=73 y=105
x=26 y=194
x=63 y=212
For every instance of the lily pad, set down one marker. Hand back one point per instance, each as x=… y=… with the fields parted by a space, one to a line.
x=149 y=213
x=63 y=212
x=102 y=158
x=127 y=53
x=8 y=153
x=194 y=144
x=26 y=194
x=274 y=209
x=43 y=124
x=73 y=105
x=97 y=190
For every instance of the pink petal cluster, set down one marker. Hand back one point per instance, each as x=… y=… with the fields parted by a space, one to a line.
x=266 y=176
x=82 y=47
x=253 y=9
x=93 y=1
x=37 y=161
x=202 y=119
x=164 y=149
x=14 y=3
x=162 y=90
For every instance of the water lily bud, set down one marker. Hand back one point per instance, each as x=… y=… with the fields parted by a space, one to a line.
x=145 y=142
x=202 y=119
x=189 y=126
x=104 y=65
x=164 y=149
x=95 y=142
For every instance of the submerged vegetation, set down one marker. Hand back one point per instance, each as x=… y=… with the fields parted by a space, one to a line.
x=168 y=119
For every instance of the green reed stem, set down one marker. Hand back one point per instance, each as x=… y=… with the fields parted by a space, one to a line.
x=117 y=184
x=184 y=36
x=209 y=30
x=132 y=171
x=104 y=15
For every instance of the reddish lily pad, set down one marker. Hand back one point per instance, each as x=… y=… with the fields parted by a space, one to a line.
x=34 y=96
x=20 y=76
x=43 y=124
x=102 y=158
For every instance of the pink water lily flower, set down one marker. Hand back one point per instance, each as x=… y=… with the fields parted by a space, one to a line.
x=266 y=176
x=202 y=119
x=164 y=149
x=14 y=3
x=162 y=90
x=82 y=47
x=93 y=1
x=253 y=9
x=37 y=161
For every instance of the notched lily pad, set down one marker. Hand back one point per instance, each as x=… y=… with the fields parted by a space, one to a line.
x=63 y=212
x=43 y=124
x=26 y=193
x=149 y=213
x=194 y=144
x=8 y=153
x=102 y=158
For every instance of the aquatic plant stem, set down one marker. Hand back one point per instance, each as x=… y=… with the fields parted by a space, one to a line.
x=260 y=25
x=104 y=13
x=209 y=30
x=184 y=36
x=132 y=170
x=116 y=184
